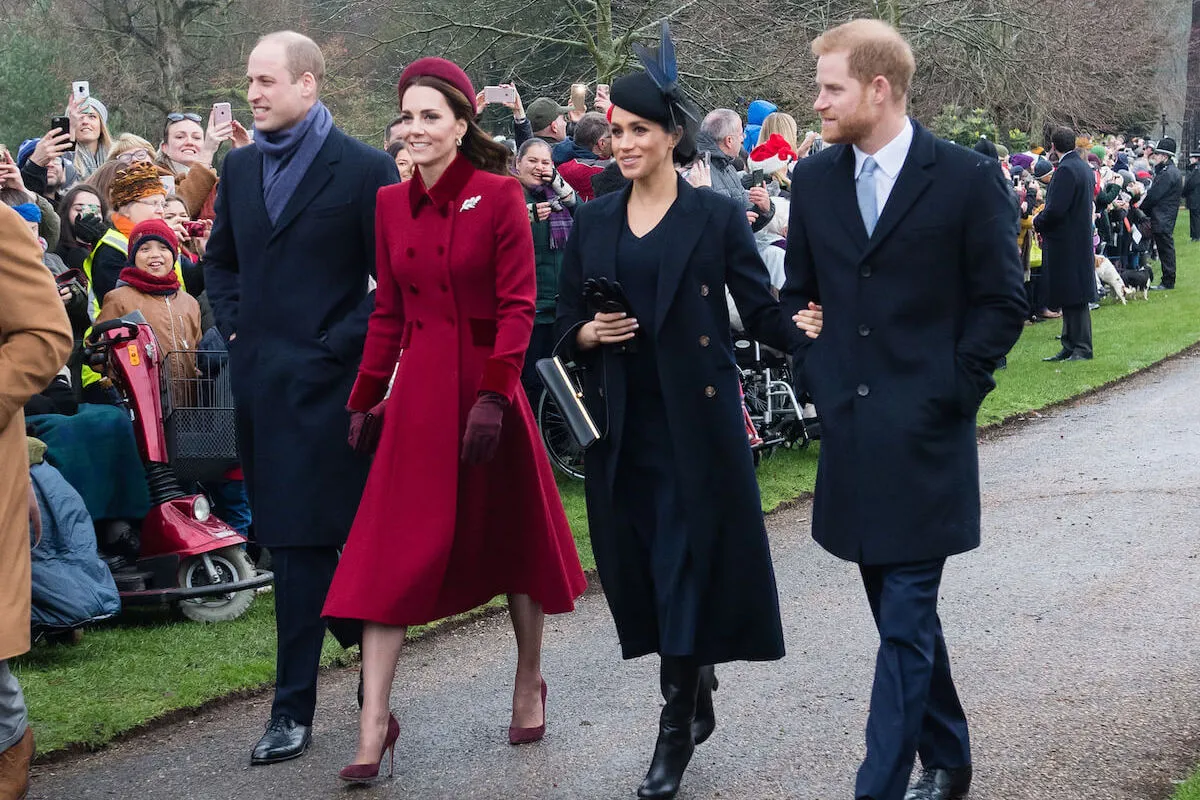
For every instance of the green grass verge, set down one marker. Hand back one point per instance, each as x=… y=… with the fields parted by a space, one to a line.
x=1189 y=789
x=148 y=664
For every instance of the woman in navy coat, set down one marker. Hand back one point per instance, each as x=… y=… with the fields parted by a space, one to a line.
x=673 y=505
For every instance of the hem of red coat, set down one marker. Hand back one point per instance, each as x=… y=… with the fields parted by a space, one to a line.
x=425 y=619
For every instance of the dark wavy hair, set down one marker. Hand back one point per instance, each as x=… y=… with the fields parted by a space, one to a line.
x=66 y=238
x=479 y=148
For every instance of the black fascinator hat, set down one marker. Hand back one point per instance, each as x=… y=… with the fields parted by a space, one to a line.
x=656 y=95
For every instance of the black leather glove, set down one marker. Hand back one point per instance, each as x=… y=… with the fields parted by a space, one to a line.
x=88 y=228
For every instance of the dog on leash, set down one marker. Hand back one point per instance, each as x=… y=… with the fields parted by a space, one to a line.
x=1110 y=277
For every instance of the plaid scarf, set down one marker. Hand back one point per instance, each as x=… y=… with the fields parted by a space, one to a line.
x=560 y=221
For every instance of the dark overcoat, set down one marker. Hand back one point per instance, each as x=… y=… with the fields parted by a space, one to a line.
x=916 y=318
x=1068 y=260
x=711 y=247
x=296 y=294
x=1162 y=199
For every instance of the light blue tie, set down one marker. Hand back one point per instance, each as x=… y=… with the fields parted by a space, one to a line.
x=866 y=195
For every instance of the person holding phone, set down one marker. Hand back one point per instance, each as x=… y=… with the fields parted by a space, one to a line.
x=187 y=151
x=89 y=129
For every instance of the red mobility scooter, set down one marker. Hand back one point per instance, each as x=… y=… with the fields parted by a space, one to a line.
x=185 y=430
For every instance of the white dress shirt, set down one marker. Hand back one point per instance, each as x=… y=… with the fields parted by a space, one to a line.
x=888 y=159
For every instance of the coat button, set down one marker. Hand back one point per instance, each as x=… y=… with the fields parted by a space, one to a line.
x=704 y=341
x=710 y=391
x=441 y=250
x=704 y=290
x=600 y=391
x=864 y=330
x=412 y=287
x=419 y=324
x=445 y=288
x=865 y=270
x=411 y=252
x=863 y=389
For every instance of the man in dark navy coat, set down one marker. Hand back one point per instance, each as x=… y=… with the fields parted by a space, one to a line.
x=909 y=245
x=287 y=270
x=1068 y=260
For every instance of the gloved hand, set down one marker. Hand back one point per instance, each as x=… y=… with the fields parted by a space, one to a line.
x=562 y=189
x=88 y=228
x=483 y=428
x=365 y=428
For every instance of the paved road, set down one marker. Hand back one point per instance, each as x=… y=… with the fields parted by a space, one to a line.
x=1074 y=630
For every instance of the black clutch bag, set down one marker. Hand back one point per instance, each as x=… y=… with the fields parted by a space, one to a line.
x=569 y=399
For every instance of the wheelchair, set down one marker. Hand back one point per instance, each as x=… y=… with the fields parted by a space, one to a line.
x=775 y=416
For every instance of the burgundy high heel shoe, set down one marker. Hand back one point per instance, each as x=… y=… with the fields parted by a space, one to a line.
x=526 y=735
x=365 y=773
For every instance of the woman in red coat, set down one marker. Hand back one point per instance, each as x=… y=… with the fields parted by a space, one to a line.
x=461 y=504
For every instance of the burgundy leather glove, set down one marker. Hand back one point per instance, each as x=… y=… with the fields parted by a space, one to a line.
x=365 y=428
x=483 y=428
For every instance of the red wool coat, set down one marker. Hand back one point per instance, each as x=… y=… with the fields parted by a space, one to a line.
x=455 y=304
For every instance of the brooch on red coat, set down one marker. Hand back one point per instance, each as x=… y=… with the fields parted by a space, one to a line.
x=471 y=202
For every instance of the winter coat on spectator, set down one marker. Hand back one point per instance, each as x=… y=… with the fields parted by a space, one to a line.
x=579 y=169
x=194 y=188
x=725 y=178
x=1191 y=189
x=1066 y=227
x=1163 y=197
x=35 y=338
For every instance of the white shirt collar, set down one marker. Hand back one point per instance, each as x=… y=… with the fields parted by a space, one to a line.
x=890 y=157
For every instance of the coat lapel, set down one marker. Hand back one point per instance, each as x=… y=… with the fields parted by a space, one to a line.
x=608 y=233
x=843 y=198
x=686 y=222
x=914 y=178
x=314 y=180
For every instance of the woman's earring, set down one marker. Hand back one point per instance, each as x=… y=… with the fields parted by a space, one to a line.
x=458 y=141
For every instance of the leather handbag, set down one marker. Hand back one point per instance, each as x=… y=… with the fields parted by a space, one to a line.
x=569 y=399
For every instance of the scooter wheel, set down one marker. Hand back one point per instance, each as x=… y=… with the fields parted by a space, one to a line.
x=232 y=564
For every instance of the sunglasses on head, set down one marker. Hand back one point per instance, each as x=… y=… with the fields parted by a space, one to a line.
x=180 y=117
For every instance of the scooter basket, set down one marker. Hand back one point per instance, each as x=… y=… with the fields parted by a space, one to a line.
x=198 y=414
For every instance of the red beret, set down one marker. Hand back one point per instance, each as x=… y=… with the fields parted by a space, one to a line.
x=432 y=67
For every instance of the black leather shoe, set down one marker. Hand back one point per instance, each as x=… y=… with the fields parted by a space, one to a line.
x=1061 y=355
x=673 y=751
x=284 y=740
x=706 y=717
x=1078 y=357
x=1160 y=287
x=941 y=784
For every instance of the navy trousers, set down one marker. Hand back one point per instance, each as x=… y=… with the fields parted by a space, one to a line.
x=914 y=706
x=302 y=578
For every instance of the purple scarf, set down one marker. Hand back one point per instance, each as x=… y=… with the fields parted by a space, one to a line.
x=288 y=154
x=560 y=221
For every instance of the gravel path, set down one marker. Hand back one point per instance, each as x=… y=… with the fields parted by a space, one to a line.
x=1074 y=631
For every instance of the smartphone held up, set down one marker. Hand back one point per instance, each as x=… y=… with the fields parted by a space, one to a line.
x=499 y=94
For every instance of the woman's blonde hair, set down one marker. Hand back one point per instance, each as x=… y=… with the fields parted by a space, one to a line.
x=873 y=48
x=128 y=142
x=784 y=125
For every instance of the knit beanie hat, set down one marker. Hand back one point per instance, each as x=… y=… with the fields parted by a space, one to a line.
x=29 y=212
x=94 y=104
x=1041 y=168
x=1099 y=151
x=153 y=230
x=132 y=183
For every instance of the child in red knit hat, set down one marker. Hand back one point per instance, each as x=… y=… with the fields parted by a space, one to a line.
x=149 y=284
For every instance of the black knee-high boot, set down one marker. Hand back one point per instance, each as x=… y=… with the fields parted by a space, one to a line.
x=706 y=717
x=680 y=684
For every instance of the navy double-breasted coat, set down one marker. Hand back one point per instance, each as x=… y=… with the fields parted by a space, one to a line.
x=711 y=246
x=916 y=318
x=296 y=294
